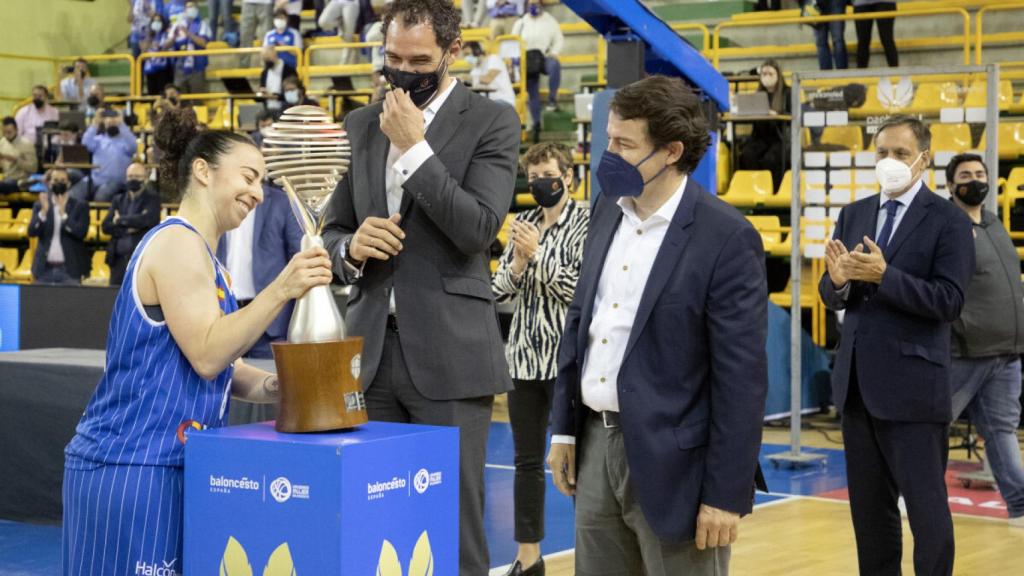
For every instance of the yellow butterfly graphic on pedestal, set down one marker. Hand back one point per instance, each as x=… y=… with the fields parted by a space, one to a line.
x=236 y=562
x=421 y=563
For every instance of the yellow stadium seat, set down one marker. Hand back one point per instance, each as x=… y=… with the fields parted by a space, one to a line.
x=23 y=273
x=1015 y=182
x=977 y=95
x=505 y=227
x=14 y=228
x=724 y=167
x=217 y=45
x=100 y=270
x=6 y=223
x=934 y=96
x=1010 y=138
x=771 y=231
x=848 y=136
x=9 y=259
x=202 y=114
x=951 y=137
x=749 y=188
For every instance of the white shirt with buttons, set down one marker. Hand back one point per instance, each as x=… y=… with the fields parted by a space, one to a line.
x=619 y=290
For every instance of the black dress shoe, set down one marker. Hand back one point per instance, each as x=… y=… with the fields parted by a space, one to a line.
x=537 y=569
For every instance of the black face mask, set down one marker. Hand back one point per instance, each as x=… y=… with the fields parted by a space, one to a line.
x=547 y=191
x=972 y=193
x=93 y=101
x=38 y=103
x=133 y=185
x=113 y=131
x=59 y=188
x=421 y=86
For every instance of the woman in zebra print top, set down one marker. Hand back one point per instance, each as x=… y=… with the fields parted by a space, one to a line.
x=538 y=272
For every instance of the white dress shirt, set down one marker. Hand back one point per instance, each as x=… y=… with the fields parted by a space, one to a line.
x=626 y=269
x=56 y=254
x=239 y=260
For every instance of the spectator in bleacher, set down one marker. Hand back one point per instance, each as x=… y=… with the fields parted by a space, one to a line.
x=490 y=71
x=768 y=145
x=375 y=33
x=264 y=120
x=191 y=33
x=32 y=117
x=988 y=338
x=282 y=35
x=342 y=16
x=834 y=56
x=18 y=158
x=77 y=86
x=257 y=18
x=175 y=10
x=473 y=12
x=220 y=10
x=133 y=211
x=503 y=15
x=537 y=272
x=67 y=135
x=95 y=101
x=141 y=14
x=275 y=70
x=293 y=12
x=293 y=93
x=112 y=145
x=170 y=99
x=60 y=222
x=885 y=32
x=159 y=72
x=543 y=39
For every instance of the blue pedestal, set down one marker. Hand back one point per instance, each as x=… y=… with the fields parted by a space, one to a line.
x=368 y=501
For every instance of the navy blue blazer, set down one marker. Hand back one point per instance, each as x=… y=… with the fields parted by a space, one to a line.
x=276 y=238
x=896 y=334
x=693 y=380
x=74 y=229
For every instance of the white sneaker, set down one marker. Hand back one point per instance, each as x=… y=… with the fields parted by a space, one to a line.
x=1017 y=522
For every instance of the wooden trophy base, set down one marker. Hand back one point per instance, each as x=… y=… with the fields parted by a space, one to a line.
x=320 y=388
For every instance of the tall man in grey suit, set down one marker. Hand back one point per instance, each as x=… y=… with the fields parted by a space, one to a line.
x=409 y=227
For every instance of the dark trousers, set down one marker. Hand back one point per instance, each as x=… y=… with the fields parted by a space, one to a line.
x=529 y=407
x=761 y=154
x=768 y=5
x=156 y=81
x=886 y=460
x=836 y=55
x=118 y=269
x=392 y=397
x=885 y=34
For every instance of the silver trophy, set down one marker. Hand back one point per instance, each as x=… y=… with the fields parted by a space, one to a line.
x=307 y=152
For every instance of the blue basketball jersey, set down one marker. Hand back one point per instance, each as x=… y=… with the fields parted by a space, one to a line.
x=149 y=396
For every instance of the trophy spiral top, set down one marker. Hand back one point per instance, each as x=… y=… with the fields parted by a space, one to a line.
x=306 y=149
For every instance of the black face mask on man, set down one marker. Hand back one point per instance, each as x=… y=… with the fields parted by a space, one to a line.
x=421 y=86
x=38 y=103
x=93 y=101
x=971 y=193
x=547 y=192
x=59 y=188
x=133 y=185
x=113 y=131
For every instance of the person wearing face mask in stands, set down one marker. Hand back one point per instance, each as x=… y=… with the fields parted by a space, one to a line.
x=112 y=145
x=543 y=40
x=275 y=70
x=768 y=145
x=442 y=162
x=489 y=70
x=988 y=338
x=78 y=84
x=899 y=264
x=538 y=272
x=264 y=120
x=18 y=158
x=60 y=222
x=134 y=210
x=32 y=117
x=159 y=72
x=293 y=93
x=282 y=35
x=95 y=102
x=188 y=34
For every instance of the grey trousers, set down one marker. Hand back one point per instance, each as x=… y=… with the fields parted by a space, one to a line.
x=256 y=20
x=392 y=397
x=612 y=535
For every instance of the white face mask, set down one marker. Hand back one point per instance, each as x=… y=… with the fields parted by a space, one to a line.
x=894 y=176
x=157 y=26
x=472 y=60
x=280 y=24
x=192 y=13
x=291 y=96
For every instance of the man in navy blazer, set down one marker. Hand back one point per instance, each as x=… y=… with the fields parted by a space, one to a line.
x=898 y=264
x=662 y=373
x=275 y=238
x=58 y=217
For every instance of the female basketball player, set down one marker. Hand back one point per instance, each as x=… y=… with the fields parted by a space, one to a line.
x=172 y=359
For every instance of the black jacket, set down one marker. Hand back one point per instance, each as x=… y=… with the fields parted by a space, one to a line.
x=132 y=223
x=73 y=230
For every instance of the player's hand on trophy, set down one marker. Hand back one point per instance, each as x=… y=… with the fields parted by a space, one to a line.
x=377 y=238
x=307 y=269
x=401 y=121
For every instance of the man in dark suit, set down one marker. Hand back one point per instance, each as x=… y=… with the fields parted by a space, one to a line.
x=61 y=223
x=901 y=284
x=662 y=372
x=134 y=209
x=410 y=227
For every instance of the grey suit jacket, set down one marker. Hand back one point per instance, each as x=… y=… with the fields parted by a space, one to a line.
x=452 y=209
